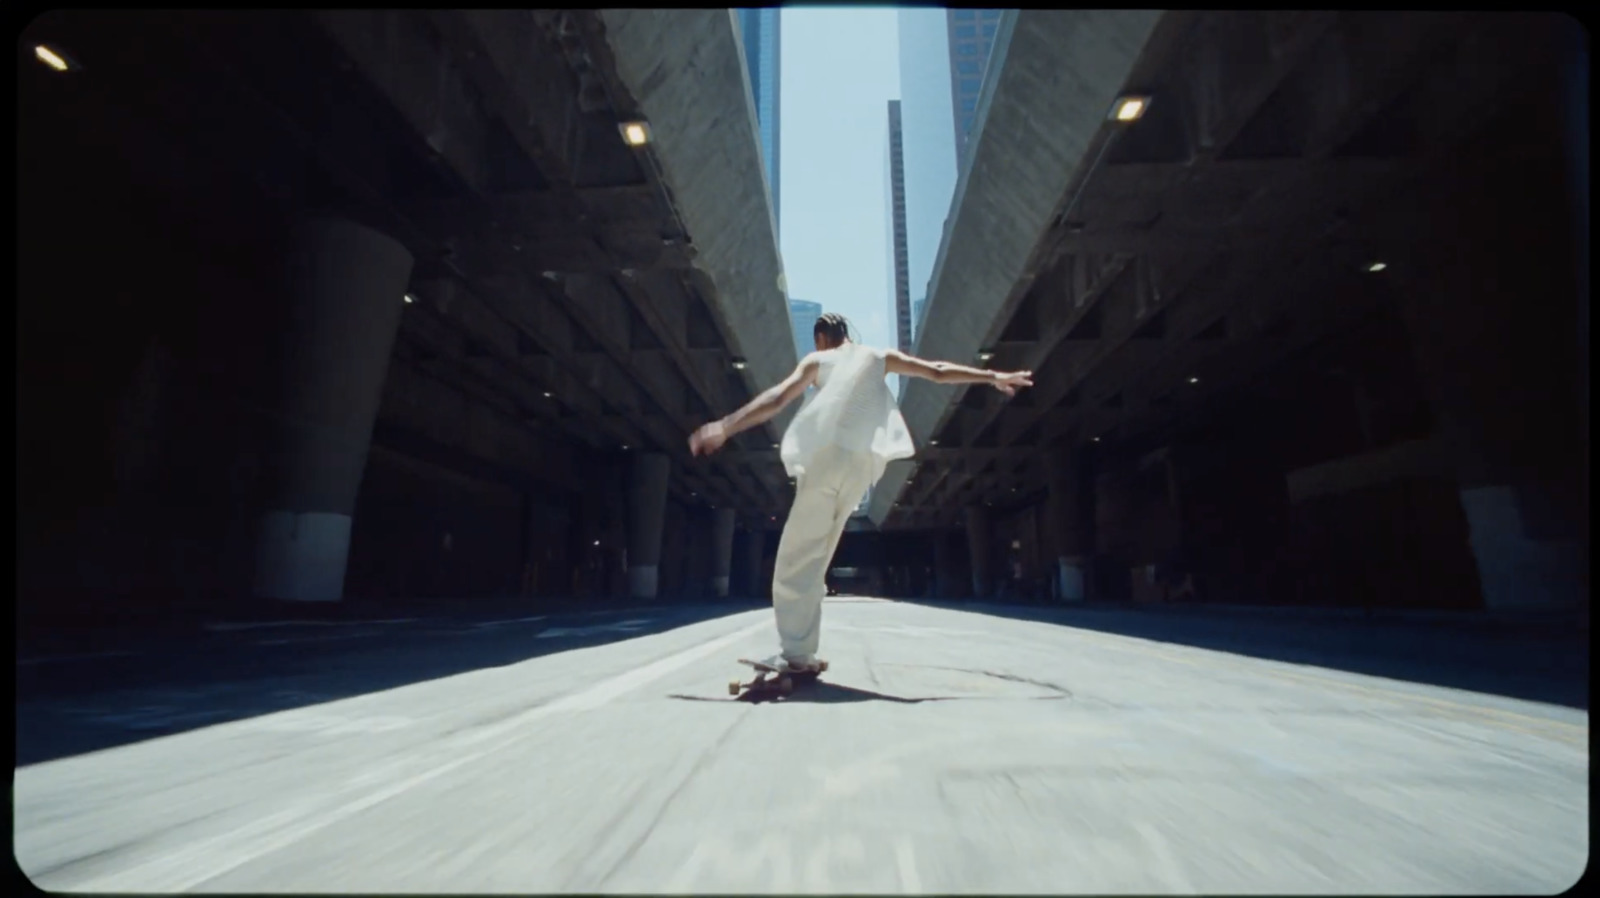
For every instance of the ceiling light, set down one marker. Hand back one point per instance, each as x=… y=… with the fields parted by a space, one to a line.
x=738 y=364
x=985 y=355
x=1194 y=380
x=624 y=447
x=635 y=134
x=1376 y=267
x=52 y=58
x=597 y=542
x=1096 y=439
x=547 y=395
x=410 y=299
x=1129 y=109
x=933 y=442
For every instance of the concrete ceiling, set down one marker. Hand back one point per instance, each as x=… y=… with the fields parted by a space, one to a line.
x=587 y=296
x=1141 y=271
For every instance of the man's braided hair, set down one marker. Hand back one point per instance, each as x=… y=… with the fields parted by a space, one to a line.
x=833 y=327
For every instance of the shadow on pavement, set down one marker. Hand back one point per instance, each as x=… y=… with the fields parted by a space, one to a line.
x=1534 y=659
x=812 y=693
x=145 y=685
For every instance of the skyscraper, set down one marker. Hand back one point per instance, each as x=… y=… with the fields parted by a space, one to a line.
x=972 y=34
x=759 y=29
x=928 y=146
x=803 y=317
x=900 y=289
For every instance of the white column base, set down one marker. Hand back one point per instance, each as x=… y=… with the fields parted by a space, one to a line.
x=1513 y=570
x=642 y=580
x=1069 y=580
x=301 y=557
x=719 y=587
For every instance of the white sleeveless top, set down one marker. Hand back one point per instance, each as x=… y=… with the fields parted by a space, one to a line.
x=852 y=408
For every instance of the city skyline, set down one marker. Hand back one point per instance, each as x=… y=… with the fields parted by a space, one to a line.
x=761 y=32
x=971 y=41
x=928 y=144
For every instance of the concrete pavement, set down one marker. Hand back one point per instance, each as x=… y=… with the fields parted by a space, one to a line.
x=946 y=751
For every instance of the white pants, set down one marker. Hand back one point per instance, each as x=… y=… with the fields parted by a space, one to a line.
x=827 y=492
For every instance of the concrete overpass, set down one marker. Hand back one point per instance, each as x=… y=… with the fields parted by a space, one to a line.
x=1308 y=198
x=573 y=304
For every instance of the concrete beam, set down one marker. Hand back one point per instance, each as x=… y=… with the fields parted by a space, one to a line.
x=709 y=157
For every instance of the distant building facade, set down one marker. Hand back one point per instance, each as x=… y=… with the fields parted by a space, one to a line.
x=972 y=33
x=899 y=262
x=803 y=317
x=760 y=30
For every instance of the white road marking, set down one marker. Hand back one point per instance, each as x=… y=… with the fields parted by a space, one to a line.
x=262 y=625
x=295 y=640
x=905 y=859
x=53 y=659
x=515 y=620
x=193 y=864
x=623 y=627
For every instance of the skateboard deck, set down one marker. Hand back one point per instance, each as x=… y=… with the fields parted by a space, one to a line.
x=772 y=679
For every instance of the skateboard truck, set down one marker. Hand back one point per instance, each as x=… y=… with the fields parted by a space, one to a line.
x=773 y=678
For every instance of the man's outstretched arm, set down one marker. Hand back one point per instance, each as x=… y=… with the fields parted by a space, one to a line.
x=1007 y=382
x=757 y=411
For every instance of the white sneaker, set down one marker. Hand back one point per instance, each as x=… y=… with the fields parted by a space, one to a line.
x=791 y=665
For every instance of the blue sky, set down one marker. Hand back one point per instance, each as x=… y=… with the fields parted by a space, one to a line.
x=840 y=69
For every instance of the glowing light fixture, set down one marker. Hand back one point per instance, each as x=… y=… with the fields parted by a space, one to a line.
x=1376 y=267
x=738 y=364
x=1194 y=380
x=547 y=395
x=985 y=355
x=410 y=299
x=51 y=58
x=635 y=134
x=1129 y=109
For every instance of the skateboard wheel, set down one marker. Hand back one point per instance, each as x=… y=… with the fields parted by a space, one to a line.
x=733 y=687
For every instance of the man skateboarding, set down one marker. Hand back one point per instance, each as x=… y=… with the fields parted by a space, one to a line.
x=836 y=447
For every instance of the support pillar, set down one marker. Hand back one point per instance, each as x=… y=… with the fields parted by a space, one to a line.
x=1490 y=339
x=946 y=585
x=647 y=509
x=978 y=548
x=345 y=291
x=754 y=553
x=1070 y=523
x=722 y=521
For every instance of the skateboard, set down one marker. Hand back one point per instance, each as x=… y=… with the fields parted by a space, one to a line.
x=769 y=678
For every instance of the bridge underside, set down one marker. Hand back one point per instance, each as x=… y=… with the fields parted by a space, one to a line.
x=521 y=314
x=1332 y=277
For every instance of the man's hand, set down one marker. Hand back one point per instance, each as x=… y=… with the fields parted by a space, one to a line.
x=708 y=439
x=1012 y=381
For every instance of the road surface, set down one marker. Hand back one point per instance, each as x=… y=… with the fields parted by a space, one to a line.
x=946 y=751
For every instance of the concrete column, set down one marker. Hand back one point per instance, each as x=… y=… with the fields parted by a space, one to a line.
x=1069 y=523
x=1486 y=332
x=978 y=549
x=345 y=291
x=754 y=553
x=647 y=509
x=722 y=520
x=944 y=554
